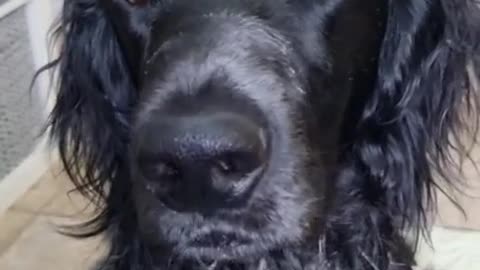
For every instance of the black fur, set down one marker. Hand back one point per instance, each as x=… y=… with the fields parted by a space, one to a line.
x=369 y=98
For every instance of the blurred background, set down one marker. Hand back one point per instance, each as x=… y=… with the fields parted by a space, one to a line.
x=34 y=196
x=23 y=49
x=20 y=116
x=33 y=190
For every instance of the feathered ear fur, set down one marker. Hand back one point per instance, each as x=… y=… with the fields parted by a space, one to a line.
x=90 y=125
x=89 y=122
x=409 y=126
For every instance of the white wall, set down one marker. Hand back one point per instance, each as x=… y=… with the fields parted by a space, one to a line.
x=40 y=16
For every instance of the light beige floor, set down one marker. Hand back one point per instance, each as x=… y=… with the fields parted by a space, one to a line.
x=29 y=240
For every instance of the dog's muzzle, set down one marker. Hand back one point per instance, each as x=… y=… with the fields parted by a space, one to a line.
x=203 y=161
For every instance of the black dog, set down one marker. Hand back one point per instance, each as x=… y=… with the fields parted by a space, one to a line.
x=262 y=134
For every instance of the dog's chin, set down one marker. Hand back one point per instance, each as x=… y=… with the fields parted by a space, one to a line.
x=222 y=246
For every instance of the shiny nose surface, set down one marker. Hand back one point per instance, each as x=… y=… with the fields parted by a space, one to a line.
x=203 y=161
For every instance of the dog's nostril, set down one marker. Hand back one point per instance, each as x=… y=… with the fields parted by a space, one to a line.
x=235 y=173
x=226 y=166
x=237 y=166
x=165 y=170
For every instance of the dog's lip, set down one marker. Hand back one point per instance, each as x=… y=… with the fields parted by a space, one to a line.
x=216 y=239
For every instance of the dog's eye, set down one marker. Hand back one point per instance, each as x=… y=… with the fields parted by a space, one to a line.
x=138 y=2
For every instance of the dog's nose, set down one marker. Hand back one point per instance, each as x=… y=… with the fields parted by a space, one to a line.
x=204 y=161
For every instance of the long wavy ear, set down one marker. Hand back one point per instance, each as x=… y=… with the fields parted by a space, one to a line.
x=90 y=120
x=410 y=125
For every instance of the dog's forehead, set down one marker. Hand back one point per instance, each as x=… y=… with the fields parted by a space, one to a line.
x=139 y=15
x=216 y=31
x=219 y=46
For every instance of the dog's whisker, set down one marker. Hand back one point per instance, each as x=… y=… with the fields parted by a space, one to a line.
x=369 y=260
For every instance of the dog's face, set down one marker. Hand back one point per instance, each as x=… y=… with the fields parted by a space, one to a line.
x=220 y=151
x=250 y=132
x=232 y=145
